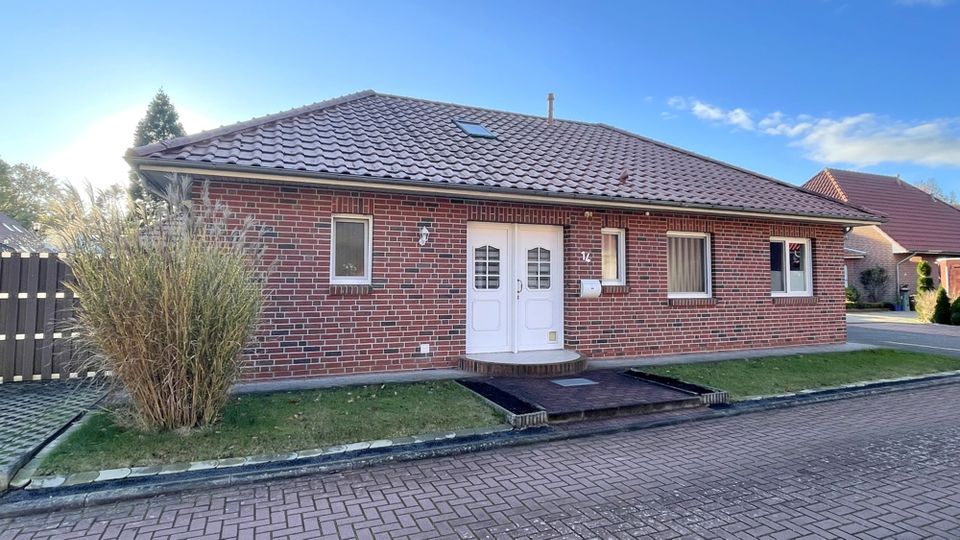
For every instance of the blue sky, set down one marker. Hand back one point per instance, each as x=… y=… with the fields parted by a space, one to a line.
x=784 y=88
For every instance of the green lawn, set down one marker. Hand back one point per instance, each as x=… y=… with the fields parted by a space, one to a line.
x=777 y=375
x=266 y=423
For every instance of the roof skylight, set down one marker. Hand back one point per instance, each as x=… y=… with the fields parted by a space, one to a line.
x=474 y=129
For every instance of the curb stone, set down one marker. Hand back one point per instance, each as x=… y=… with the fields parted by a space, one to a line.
x=54 y=493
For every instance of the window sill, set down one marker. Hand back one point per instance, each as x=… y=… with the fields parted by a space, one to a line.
x=794 y=300
x=679 y=302
x=350 y=290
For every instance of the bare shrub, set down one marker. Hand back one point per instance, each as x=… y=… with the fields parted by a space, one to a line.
x=170 y=295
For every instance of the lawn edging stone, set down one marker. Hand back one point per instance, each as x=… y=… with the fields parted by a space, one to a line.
x=45 y=482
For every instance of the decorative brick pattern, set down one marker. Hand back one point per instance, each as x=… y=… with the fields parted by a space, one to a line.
x=494 y=369
x=418 y=292
x=679 y=302
x=795 y=300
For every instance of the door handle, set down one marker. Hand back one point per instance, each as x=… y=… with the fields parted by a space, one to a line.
x=519 y=287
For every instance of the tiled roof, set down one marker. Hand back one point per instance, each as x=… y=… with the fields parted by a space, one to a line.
x=18 y=238
x=914 y=219
x=385 y=138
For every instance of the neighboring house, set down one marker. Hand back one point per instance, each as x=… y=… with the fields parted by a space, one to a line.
x=408 y=233
x=15 y=237
x=917 y=225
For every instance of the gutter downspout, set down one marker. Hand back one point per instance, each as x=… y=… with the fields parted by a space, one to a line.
x=914 y=254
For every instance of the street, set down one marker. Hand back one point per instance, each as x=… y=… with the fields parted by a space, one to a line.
x=869 y=467
x=899 y=330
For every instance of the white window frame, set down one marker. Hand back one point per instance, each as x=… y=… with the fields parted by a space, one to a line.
x=808 y=270
x=621 y=255
x=365 y=279
x=707 y=262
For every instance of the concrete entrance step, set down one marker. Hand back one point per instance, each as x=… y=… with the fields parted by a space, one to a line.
x=555 y=363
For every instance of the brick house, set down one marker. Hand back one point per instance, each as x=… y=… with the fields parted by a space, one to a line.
x=917 y=226
x=411 y=234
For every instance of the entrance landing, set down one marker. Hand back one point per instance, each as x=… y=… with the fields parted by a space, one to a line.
x=525 y=364
x=592 y=394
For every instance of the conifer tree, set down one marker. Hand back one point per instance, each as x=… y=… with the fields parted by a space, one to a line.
x=160 y=123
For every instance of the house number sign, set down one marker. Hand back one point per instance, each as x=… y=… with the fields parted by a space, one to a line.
x=585 y=255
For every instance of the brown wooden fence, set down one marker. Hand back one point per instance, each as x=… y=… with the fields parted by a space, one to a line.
x=35 y=318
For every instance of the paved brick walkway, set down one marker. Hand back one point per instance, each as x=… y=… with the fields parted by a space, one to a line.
x=31 y=412
x=861 y=468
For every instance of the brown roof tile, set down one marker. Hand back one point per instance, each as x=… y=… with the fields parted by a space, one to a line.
x=914 y=219
x=385 y=138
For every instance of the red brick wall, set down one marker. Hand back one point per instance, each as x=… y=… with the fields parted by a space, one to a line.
x=418 y=293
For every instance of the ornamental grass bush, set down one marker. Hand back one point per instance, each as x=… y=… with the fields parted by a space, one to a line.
x=926 y=302
x=169 y=296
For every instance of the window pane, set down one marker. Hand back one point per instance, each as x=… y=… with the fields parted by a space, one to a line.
x=610 y=257
x=798 y=267
x=350 y=251
x=486 y=268
x=538 y=268
x=686 y=265
x=776 y=266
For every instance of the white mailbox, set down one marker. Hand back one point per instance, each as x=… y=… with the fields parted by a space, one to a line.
x=590 y=288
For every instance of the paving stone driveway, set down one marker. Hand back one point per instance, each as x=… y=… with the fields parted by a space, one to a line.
x=867 y=468
x=30 y=412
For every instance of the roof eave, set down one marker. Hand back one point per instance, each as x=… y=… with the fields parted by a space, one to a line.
x=391 y=184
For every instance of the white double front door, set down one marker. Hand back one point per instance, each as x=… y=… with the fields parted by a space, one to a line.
x=514 y=287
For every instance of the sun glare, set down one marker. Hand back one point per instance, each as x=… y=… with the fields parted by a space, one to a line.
x=96 y=153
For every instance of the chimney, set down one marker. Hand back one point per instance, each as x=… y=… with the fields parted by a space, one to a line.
x=550 y=109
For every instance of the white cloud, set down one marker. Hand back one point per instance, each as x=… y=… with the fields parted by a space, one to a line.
x=740 y=118
x=96 y=153
x=677 y=102
x=869 y=139
x=735 y=117
x=860 y=140
x=707 y=111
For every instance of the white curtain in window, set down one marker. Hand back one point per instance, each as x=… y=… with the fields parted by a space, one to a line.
x=610 y=251
x=798 y=267
x=685 y=264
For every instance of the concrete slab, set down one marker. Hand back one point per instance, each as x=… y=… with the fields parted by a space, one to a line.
x=527 y=358
x=694 y=358
x=289 y=385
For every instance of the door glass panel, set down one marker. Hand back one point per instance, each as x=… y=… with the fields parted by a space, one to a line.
x=538 y=268
x=486 y=268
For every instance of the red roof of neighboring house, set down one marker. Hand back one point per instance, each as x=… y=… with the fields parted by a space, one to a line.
x=914 y=219
x=383 y=139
